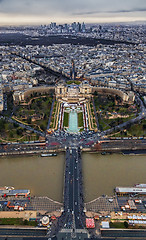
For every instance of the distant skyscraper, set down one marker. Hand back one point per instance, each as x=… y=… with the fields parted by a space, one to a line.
x=65 y=26
x=53 y=25
x=83 y=27
x=79 y=27
x=74 y=26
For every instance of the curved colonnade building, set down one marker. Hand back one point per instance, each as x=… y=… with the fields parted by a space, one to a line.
x=72 y=93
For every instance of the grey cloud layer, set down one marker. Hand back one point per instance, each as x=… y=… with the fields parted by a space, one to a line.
x=116 y=11
x=69 y=7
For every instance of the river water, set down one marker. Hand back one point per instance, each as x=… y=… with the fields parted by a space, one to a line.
x=45 y=176
x=42 y=175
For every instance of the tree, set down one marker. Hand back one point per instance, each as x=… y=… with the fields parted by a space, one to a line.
x=126 y=224
x=15 y=125
x=29 y=120
x=25 y=222
x=11 y=135
x=39 y=103
x=19 y=131
x=42 y=127
x=2 y=124
x=95 y=93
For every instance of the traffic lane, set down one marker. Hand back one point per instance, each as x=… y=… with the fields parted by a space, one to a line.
x=78 y=200
x=71 y=183
x=73 y=187
x=75 y=176
x=22 y=232
x=123 y=233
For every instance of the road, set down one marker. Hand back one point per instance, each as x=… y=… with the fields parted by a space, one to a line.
x=61 y=140
x=36 y=232
x=73 y=217
x=46 y=68
x=134 y=233
x=73 y=194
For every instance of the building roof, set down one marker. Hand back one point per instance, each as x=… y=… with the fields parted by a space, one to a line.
x=90 y=223
x=14 y=192
x=130 y=190
x=105 y=224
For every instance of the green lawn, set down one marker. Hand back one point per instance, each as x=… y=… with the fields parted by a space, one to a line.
x=118 y=224
x=36 y=114
x=80 y=120
x=73 y=81
x=138 y=129
x=114 y=104
x=13 y=132
x=16 y=222
x=66 y=119
x=135 y=130
x=106 y=106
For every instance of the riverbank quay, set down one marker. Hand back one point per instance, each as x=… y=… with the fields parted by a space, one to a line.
x=118 y=151
x=23 y=222
x=127 y=146
x=21 y=214
x=114 y=220
x=102 y=145
x=119 y=206
x=105 y=151
x=87 y=150
x=30 y=153
x=28 y=207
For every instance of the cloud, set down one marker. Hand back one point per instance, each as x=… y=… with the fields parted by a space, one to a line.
x=114 y=11
x=69 y=9
x=68 y=6
x=129 y=10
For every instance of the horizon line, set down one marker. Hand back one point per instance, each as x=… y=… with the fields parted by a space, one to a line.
x=87 y=23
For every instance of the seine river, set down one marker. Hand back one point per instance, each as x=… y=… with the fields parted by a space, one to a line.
x=45 y=176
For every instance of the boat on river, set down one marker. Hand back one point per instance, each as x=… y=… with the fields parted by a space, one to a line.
x=48 y=154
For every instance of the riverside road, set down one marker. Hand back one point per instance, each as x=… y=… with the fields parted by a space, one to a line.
x=89 y=140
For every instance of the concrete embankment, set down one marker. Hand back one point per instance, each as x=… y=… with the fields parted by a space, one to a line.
x=39 y=152
x=138 y=151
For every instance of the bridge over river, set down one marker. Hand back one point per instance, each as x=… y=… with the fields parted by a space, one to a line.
x=71 y=224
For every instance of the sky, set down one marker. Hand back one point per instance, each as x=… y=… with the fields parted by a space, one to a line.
x=17 y=12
